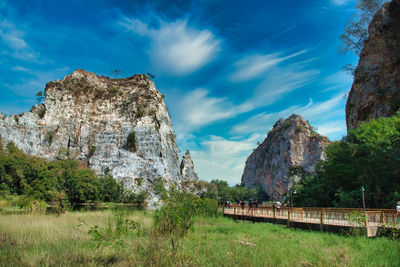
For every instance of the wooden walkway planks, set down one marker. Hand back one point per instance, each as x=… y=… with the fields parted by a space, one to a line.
x=373 y=219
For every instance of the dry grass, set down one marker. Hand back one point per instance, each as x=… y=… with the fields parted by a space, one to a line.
x=51 y=240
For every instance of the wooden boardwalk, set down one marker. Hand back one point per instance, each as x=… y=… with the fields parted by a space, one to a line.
x=323 y=218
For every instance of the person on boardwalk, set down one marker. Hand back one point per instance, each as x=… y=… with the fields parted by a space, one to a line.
x=398 y=212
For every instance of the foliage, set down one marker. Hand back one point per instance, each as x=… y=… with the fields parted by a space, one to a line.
x=356 y=31
x=118 y=226
x=92 y=150
x=50 y=137
x=59 y=181
x=40 y=97
x=42 y=111
x=131 y=142
x=138 y=199
x=237 y=192
x=175 y=217
x=369 y=156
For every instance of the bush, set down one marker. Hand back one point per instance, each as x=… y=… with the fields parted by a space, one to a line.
x=369 y=156
x=175 y=217
x=131 y=142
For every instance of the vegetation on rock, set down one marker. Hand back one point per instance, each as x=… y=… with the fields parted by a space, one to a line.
x=369 y=156
x=35 y=178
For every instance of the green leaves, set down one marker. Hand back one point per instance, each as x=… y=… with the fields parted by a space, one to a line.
x=369 y=156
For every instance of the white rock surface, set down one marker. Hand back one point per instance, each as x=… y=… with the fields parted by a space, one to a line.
x=187 y=168
x=89 y=118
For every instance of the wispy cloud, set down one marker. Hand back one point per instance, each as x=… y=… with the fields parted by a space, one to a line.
x=222 y=158
x=253 y=66
x=13 y=40
x=175 y=46
x=263 y=122
x=197 y=109
x=340 y=2
x=278 y=83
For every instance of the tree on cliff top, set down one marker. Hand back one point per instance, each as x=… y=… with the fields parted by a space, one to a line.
x=356 y=31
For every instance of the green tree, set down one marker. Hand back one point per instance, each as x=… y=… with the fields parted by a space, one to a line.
x=369 y=156
x=110 y=189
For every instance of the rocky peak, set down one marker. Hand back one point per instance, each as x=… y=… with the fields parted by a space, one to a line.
x=120 y=124
x=187 y=168
x=290 y=143
x=376 y=88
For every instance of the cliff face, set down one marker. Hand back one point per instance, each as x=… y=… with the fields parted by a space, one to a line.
x=290 y=143
x=376 y=88
x=120 y=124
x=187 y=168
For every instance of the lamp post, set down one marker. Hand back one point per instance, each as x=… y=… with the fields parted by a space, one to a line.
x=363 y=197
x=291 y=198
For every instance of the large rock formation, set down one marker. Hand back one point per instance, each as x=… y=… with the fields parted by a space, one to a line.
x=291 y=143
x=376 y=87
x=187 y=168
x=120 y=124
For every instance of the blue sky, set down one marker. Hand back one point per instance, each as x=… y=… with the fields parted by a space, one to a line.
x=228 y=69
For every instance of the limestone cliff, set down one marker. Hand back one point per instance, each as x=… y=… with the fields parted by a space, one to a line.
x=291 y=143
x=187 y=168
x=120 y=124
x=376 y=88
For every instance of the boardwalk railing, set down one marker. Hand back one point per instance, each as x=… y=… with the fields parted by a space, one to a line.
x=323 y=216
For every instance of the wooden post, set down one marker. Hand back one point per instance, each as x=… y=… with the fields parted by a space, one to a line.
x=321 y=226
x=288 y=218
x=274 y=213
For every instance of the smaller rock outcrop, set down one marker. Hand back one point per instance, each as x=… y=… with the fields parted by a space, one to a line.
x=291 y=143
x=376 y=88
x=187 y=168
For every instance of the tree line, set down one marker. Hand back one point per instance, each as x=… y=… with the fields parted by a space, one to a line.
x=368 y=156
x=68 y=181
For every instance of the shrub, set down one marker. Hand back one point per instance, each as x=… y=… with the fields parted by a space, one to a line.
x=110 y=189
x=131 y=142
x=42 y=111
x=175 y=217
x=92 y=150
x=50 y=137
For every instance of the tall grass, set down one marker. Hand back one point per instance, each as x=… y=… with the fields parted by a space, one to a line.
x=32 y=240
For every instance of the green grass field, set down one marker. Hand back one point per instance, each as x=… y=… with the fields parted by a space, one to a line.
x=51 y=240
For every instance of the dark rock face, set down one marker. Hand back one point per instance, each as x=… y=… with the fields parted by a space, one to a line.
x=291 y=143
x=187 y=168
x=376 y=88
x=120 y=124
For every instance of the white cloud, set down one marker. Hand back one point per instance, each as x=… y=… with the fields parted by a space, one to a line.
x=318 y=113
x=253 y=66
x=279 y=82
x=222 y=158
x=340 y=2
x=175 y=47
x=332 y=128
x=197 y=109
x=13 y=39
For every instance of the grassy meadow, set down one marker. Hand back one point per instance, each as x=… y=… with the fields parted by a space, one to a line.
x=51 y=240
